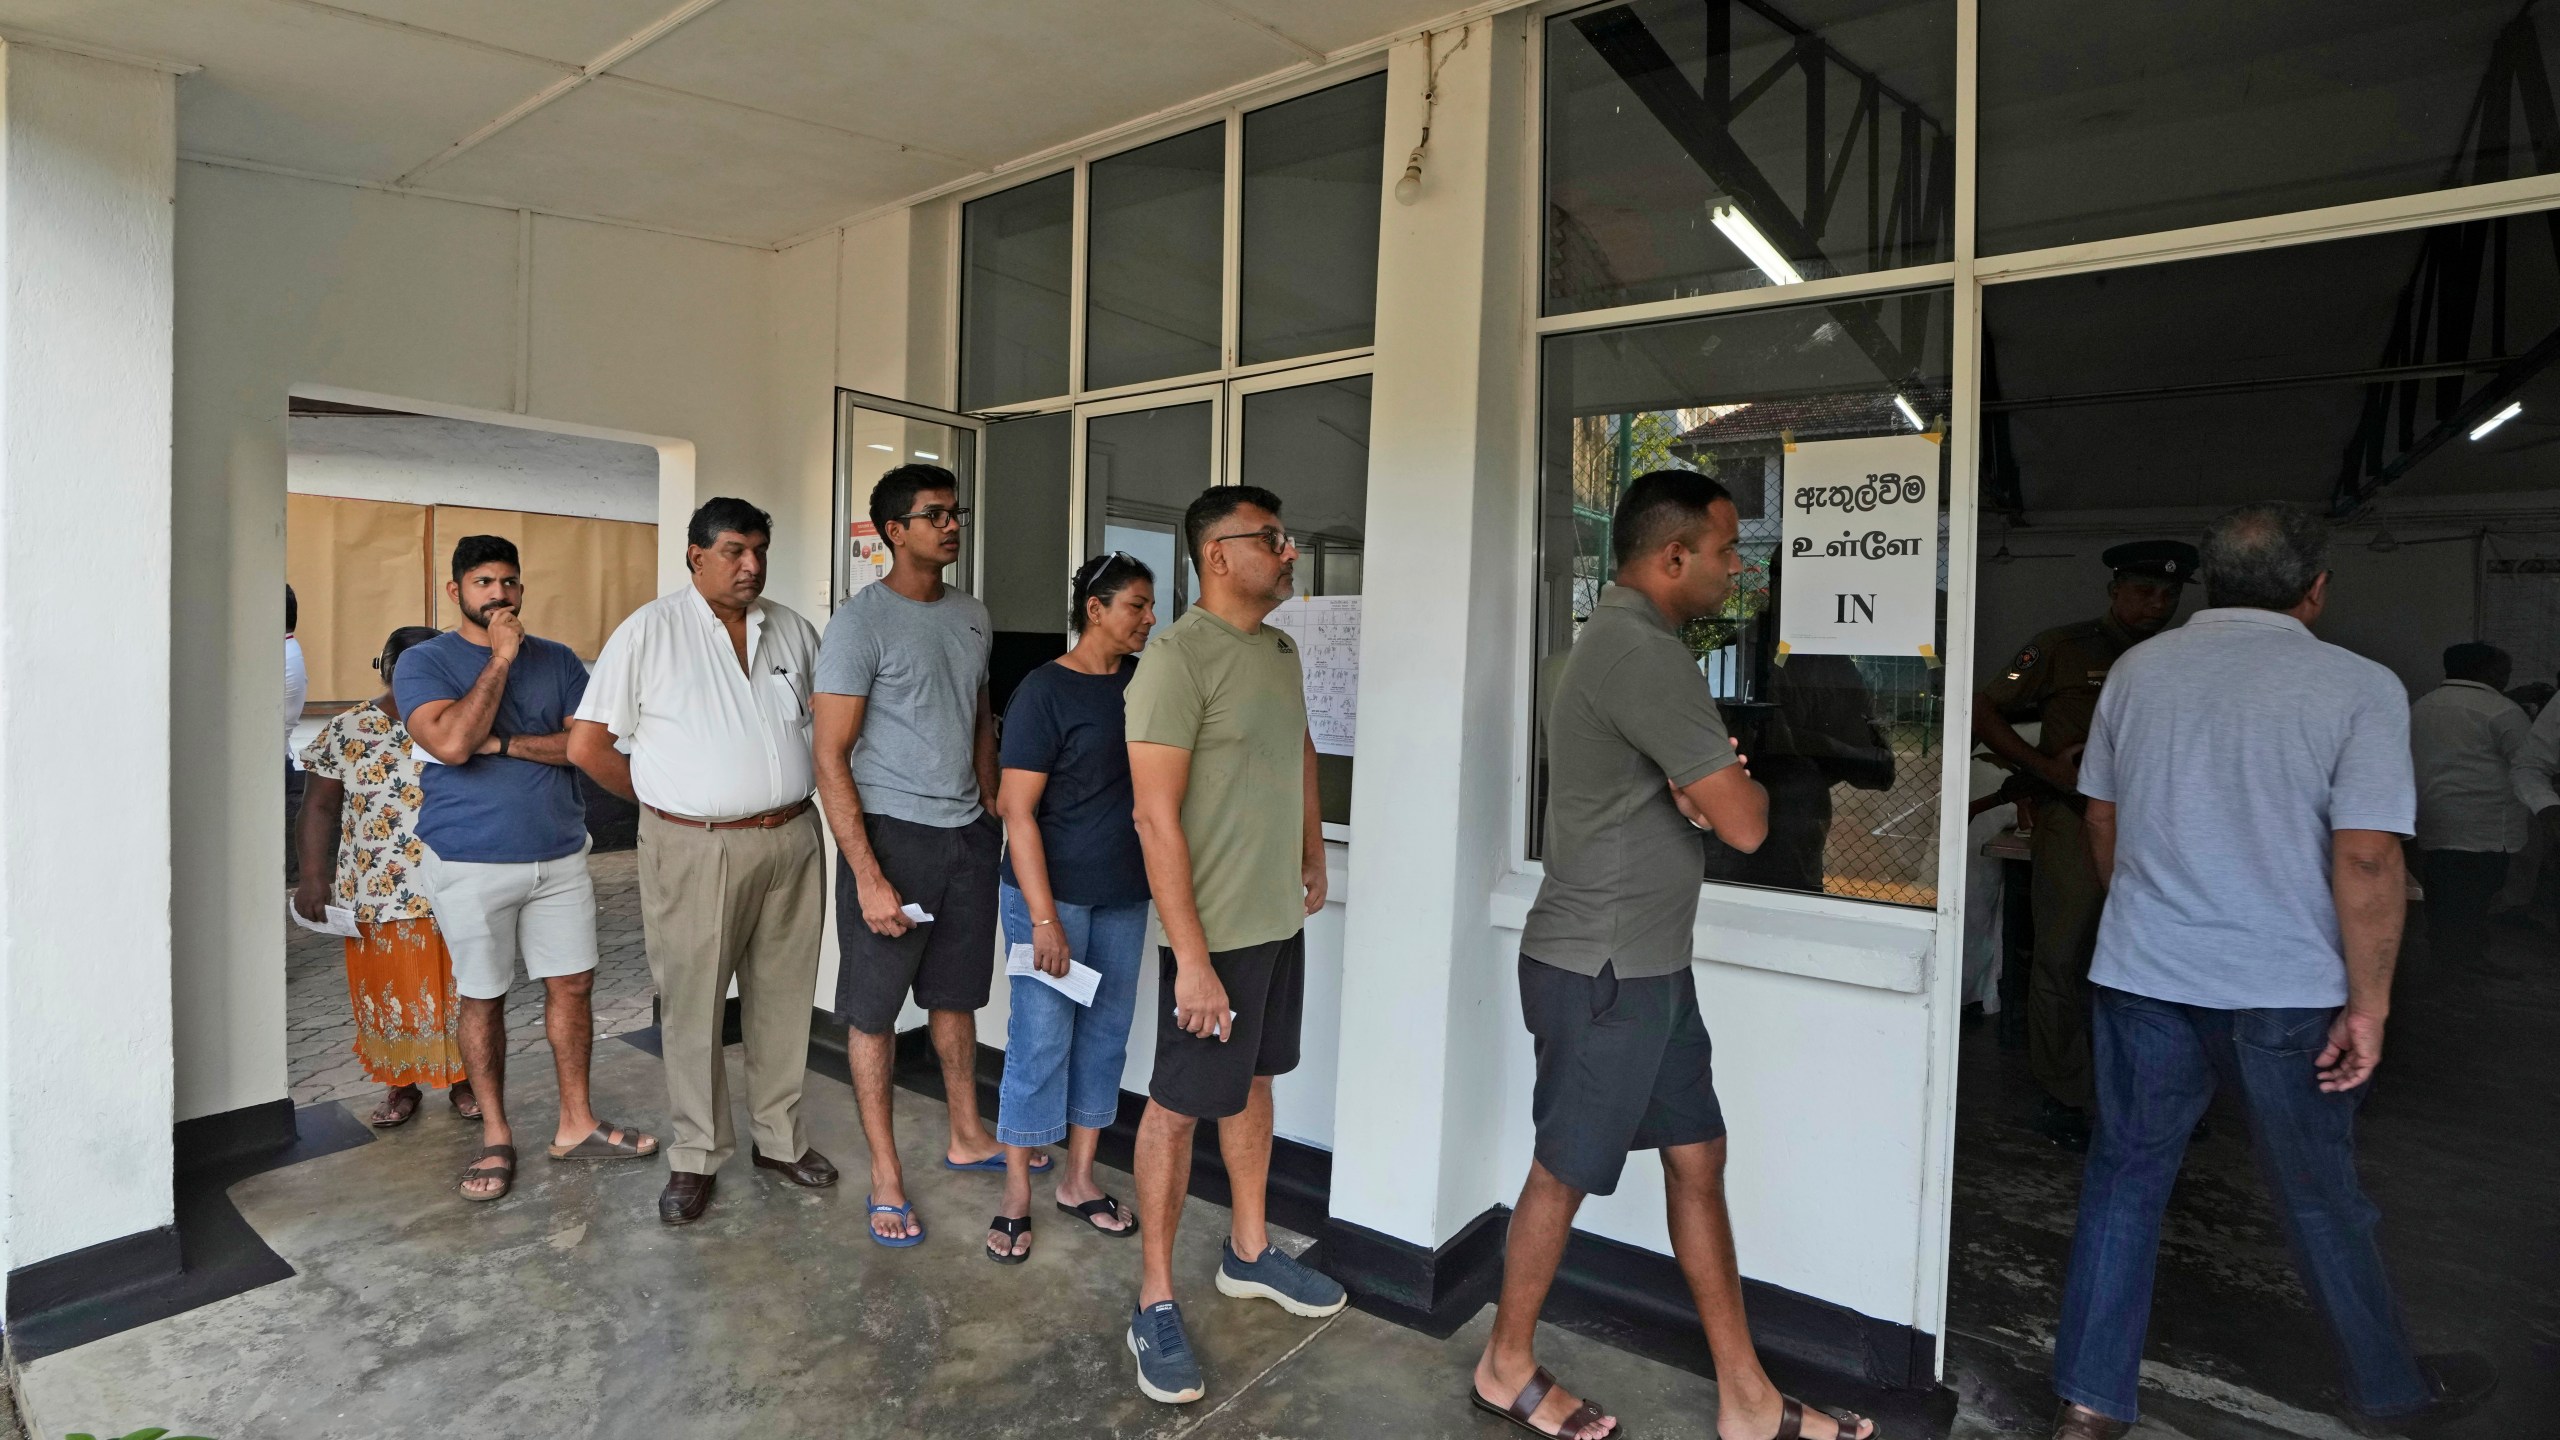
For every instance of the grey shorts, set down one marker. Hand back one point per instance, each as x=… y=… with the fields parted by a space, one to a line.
x=949 y=964
x=1623 y=1065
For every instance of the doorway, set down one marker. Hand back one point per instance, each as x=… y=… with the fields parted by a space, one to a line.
x=2358 y=377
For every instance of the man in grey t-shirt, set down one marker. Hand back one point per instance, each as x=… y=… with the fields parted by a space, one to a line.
x=906 y=761
x=1638 y=767
x=2248 y=790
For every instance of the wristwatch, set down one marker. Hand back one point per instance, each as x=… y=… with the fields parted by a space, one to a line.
x=503 y=742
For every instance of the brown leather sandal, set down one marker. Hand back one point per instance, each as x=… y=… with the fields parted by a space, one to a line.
x=397 y=1108
x=464 y=1100
x=600 y=1144
x=1791 y=1422
x=1525 y=1404
x=505 y=1174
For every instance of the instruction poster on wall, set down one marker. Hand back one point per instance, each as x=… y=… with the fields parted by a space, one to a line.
x=1859 y=532
x=866 y=558
x=1327 y=630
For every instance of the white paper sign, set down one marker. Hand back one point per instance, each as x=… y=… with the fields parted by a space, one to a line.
x=1859 y=531
x=1078 y=984
x=1327 y=631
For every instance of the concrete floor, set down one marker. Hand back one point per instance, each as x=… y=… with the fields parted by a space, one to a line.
x=320 y=1061
x=2455 y=1145
x=567 y=1310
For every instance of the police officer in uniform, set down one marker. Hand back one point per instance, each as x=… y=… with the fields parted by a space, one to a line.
x=2055 y=680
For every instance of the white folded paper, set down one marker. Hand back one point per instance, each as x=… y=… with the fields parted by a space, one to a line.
x=915 y=912
x=337 y=920
x=1078 y=984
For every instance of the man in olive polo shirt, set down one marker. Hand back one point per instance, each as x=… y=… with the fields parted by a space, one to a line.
x=1639 y=766
x=1225 y=774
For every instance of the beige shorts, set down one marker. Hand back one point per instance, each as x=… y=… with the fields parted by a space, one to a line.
x=543 y=912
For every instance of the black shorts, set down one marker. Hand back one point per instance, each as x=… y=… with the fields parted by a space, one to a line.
x=949 y=964
x=1622 y=1065
x=1211 y=1079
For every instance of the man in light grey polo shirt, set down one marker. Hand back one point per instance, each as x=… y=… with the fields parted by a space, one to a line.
x=2248 y=789
x=1639 y=767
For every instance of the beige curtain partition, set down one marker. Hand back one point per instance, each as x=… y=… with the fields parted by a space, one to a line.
x=359 y=571
x=581 y=576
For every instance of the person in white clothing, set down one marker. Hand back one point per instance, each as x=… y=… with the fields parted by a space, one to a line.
x=2468 y=741
x=699 y=710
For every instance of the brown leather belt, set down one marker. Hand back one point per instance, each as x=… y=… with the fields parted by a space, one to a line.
x=771 y=819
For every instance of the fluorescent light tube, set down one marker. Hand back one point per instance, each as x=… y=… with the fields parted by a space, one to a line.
x=1909 y=414
x=2514 y=409
x=1746 y=237
x=892 y=449
x=927 y=455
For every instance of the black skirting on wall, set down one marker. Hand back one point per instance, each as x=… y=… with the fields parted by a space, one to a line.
x=109 y=1267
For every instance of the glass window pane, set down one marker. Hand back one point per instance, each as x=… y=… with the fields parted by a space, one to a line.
x=875 y=443
x=2159 y=119
x=1142 y=469
x=1158 y=250
x=1016 y=250
x=1309 y=444
x=1699 y=147
x=1023 y=535
x=1312 y=170
x=1845 y=745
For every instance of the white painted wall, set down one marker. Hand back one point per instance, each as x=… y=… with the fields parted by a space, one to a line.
x=87 y=156
x=286 y=284
x=433 y=460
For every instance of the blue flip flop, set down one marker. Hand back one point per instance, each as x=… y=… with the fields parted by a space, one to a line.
x=903 y=1212
x=1041 y=1164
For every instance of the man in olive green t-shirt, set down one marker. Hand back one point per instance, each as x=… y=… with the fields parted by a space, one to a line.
x=1225 y=774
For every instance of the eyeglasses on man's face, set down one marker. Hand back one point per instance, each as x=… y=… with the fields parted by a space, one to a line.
x=1273 y=538
x=940 y=517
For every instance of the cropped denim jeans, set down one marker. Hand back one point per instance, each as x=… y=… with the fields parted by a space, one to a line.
x=2157 y=1067
x=1062 y=1061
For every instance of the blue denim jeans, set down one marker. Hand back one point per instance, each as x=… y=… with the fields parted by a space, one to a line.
x=2157 y=1066
x=1062 y=1061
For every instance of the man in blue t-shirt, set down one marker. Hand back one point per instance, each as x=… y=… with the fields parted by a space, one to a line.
x=506 y=848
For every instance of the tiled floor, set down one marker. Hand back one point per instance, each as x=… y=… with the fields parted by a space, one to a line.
x=320 y=1034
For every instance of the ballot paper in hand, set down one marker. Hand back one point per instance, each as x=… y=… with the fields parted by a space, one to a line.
x=915 y=912
x=1078 y=984
x=336 y=920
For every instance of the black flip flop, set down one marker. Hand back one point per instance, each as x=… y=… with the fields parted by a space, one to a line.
x=1091 y=1209
x=1525 y=1404
x=1012 y=1228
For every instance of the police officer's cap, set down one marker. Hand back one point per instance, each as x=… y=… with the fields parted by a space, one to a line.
x=2167 y=562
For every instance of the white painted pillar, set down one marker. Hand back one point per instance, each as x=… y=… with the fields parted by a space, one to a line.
x=1423 y=976
x=88 y=166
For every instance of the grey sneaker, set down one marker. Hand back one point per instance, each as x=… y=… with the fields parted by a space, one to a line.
x=1277 y=1277
x=1166 y=1369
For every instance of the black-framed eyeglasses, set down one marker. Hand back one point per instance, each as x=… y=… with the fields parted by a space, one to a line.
x=940 y=517
x=1273 y=538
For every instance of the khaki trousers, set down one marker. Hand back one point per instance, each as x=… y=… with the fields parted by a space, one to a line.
x=2067 y=904
x=722 y=903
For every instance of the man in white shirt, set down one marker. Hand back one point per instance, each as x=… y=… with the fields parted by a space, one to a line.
x=699 y=710
x=2469 y=742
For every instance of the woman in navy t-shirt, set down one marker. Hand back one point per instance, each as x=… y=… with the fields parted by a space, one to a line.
x=1075 y=889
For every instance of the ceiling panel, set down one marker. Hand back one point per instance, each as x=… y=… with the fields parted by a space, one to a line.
x=987 y=82
x=634 y=152
x=1330 y=25
x=575 y=32
x=293 y=85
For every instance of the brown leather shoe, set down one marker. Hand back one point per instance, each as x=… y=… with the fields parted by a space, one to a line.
x=811 y=1170
x=2079 y=1422
x=685 y=1198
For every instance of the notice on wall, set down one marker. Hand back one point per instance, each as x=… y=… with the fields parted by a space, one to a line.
x=1860 y=535
x=867 y=558
x=1327 y=631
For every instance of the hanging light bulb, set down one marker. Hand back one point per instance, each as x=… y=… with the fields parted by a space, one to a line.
x=1409 y=189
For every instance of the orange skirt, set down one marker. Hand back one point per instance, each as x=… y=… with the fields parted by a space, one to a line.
x=400 y=983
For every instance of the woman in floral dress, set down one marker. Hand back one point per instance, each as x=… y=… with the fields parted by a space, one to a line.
x=363 y=769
